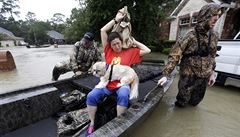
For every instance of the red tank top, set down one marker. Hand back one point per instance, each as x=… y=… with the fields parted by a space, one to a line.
x=126 y=57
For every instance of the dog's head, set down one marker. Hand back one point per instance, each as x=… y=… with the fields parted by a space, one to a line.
x=99 y=69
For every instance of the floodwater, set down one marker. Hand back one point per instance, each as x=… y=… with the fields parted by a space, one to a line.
x=34 y=66
x=218 y=115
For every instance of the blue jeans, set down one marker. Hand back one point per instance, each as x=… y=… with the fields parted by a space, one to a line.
x=96 y=95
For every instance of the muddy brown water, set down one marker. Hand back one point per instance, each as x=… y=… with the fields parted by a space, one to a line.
x=218 y=115
x=33 y=66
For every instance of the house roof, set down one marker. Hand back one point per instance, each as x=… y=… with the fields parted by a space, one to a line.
x=54 y=34
x=7 y=32
x=8 y=35
x=184 y=2
x=179 y=7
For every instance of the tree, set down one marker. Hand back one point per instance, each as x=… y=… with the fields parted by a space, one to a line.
x=57 y=22
x=81 y=3
x=145 y=16
x=1 y=37
x=77 y=25
x=30 y=17
x=38 y=33
x=9 y=8
x=57 y=18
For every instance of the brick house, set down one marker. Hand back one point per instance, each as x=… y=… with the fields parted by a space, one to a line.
x=184 y=17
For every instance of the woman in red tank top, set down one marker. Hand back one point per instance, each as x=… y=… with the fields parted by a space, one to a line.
x=115 y=54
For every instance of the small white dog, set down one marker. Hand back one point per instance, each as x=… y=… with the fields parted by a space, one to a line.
x=125 y=74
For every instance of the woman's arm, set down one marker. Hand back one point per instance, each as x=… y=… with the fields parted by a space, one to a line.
x=104 y=31
x=143 y=48
x=109 y=26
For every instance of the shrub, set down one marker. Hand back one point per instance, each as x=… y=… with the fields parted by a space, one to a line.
x=168 y=43
x=166 y=51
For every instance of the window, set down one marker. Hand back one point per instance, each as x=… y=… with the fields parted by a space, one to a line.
x=184 y=21
x=194 y=19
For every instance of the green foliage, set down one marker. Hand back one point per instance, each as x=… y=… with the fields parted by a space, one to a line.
x=166 y=51
x=168 y=43
x=37 y=33
x=57 y=22
x=30 y=17
x=77 y=25
x=91 y=16
x=156 y=46
x=162 y=46
x=1 y=37
x=9 y=9
x=57 y=18
x=11 y=25
x=144 y=16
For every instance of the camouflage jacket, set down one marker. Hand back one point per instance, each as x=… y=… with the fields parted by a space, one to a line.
x=83 y=58
x=186 y=50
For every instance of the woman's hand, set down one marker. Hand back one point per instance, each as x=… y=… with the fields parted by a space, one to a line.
x=143 y=48
x=120 y=15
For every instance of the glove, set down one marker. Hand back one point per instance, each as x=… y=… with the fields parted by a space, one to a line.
x=162 y=81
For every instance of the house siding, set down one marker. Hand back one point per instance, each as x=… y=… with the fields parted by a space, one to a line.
x=191 y=7
x=173 y=30
x=4 y=43
x=227 y=25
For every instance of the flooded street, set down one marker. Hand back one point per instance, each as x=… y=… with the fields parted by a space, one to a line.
x=34 y=66
x=218 y=115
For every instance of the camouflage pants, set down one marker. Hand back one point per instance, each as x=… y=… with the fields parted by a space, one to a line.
x=191 y=90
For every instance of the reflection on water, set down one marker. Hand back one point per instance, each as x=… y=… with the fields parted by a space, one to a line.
x=34 y=66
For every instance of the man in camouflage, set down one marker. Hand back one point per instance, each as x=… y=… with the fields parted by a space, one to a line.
x=84 y=54
x=197 y=52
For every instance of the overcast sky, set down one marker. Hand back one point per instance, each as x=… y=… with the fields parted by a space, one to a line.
x=44 y=9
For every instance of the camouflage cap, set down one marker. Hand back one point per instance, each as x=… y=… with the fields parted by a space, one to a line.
x=208 y=11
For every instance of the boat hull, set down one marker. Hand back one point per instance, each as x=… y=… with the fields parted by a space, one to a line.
x=35 y=108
